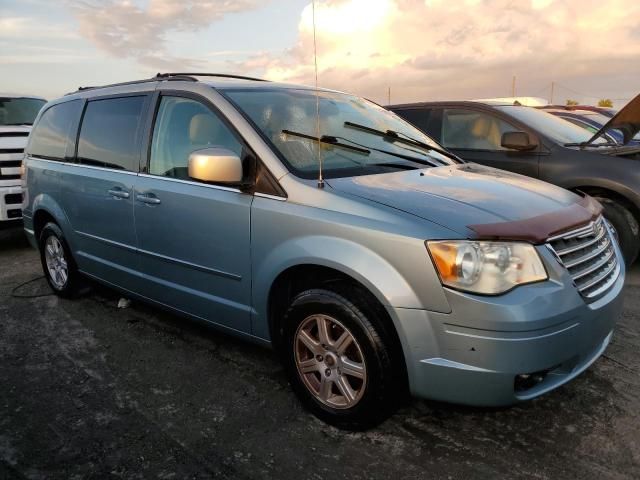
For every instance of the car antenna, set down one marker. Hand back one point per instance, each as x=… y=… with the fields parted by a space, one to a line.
x=315 y=65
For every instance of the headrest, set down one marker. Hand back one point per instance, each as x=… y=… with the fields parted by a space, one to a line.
x=203 y=129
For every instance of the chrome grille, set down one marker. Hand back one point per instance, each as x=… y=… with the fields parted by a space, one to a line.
x=588 y=253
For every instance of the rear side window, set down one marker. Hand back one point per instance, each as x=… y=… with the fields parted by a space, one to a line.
x=53 y=135
x=111 y=133
x=473 y=130
x=417 y=117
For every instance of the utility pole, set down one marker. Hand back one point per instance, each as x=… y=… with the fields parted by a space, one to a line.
x=513 y=86
x=389 y=96
x=553 y=84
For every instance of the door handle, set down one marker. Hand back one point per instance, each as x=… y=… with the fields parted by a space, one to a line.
x=148 y=199
x=118 y=193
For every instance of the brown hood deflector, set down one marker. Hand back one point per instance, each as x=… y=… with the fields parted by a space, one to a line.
x=538 y=229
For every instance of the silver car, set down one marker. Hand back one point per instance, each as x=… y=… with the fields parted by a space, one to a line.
x=376 y=263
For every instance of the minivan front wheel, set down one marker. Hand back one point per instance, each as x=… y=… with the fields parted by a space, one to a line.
x=57 y=263
x=338 y=363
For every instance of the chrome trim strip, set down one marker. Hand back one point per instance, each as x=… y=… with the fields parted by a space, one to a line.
x=107 y=241
x=606 y=286
x=189 y=182
x=600 y=277
x=166 y=258
x=195 y=266
x=80 y=165
x=574 y=233
x=595 y=266
x=565 y=251
x=591 y=255
x=272 y=197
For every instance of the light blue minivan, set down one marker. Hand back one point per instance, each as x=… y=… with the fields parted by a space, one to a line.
x=375 y=262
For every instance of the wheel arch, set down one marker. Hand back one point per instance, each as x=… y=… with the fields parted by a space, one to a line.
x=300 y=277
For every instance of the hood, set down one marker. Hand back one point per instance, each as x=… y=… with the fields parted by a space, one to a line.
x=626 y=120
x=476 y=201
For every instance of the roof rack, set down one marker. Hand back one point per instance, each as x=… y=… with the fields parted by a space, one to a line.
x=222 y=75
x=190 y=77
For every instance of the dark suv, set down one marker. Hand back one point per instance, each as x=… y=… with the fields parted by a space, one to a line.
x=532 y=142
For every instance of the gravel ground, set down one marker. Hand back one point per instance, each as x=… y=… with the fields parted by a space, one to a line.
x=91 y=391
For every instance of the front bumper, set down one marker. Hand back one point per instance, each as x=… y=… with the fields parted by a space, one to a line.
x=474 y=354
x=10 y=203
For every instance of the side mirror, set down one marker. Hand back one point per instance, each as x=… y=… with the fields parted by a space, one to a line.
x=517 y=141
x=216 y=165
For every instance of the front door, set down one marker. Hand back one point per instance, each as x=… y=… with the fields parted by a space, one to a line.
x=98 y=189
x=194 y=238
x=476 y=136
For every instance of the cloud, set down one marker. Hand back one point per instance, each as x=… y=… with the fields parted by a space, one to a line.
x=123 y=29
x=467 y=48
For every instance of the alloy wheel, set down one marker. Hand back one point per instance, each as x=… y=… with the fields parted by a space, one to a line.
x=330 y=362
x=56 y=262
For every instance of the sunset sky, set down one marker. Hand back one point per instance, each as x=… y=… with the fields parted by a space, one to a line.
x=420 y=49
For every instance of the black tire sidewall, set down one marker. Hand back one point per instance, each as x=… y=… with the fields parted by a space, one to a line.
x=619 y=217
x=69 y=287
x=375 y=404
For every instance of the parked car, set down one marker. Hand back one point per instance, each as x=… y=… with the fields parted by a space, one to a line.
x=535 y=143
x=396 y=267
x=593 y=122
x=17 y=113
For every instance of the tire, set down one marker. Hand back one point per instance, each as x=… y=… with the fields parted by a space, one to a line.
x=625 y=225
x=58 y=265
x=371 y=392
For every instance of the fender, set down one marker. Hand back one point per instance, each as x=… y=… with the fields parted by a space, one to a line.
x=606 y=184
x=45 y=202
x=350 y=258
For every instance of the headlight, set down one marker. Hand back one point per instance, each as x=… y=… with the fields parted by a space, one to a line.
x=486 y=267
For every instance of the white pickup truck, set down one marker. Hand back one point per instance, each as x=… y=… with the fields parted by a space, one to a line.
x=17 y=113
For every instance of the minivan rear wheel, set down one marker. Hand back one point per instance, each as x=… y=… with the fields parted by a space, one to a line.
x=625 y=225
x=337 y=361
x=57 y=263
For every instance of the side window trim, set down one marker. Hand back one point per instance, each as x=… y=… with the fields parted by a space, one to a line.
x=148 y=95
x=145 y=164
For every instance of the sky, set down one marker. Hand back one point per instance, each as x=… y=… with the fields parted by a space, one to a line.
x=405 y=50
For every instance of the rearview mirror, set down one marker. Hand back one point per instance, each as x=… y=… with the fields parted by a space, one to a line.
x=517 y=141
x=216 y=165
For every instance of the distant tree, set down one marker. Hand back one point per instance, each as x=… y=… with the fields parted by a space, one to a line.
x=605 y=102
x=572 y=102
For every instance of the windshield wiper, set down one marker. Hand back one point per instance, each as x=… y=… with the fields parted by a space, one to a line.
x=421 y=161
x=402 y=138
x=328 y=140
x=16 y=124
x=358 y=147
x=595 y=145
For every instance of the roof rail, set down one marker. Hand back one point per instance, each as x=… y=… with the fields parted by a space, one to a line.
x=190 y=77
x=222 y=75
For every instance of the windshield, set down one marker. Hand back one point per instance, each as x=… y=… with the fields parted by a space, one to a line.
x=19 y=111
x=287 y=117
x=555 y=128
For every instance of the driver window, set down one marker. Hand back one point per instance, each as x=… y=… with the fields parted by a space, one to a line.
x=183 y=126
x=473 y=130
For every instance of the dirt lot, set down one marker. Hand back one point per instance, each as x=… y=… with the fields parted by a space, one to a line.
x=91 y=391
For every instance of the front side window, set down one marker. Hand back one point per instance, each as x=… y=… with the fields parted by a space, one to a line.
x=19 y=111
x=547 y=124
x=111 y=133
x=473 y=130
x=51 y=135
x=182 y=127
x=288 y=119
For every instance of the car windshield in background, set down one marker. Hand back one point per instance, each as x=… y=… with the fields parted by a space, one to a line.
x=557 y=129
x=287 y=117
x=19 y=111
